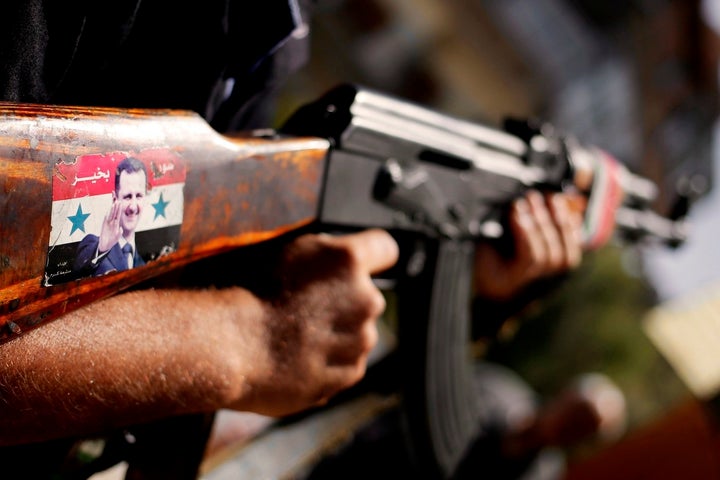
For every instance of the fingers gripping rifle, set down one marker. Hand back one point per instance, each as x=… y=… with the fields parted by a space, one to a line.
x=409 y=169
x=353 y=159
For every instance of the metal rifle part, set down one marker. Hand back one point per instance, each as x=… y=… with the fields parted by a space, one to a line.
x=411 y=168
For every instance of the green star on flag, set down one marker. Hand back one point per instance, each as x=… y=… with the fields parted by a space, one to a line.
x=78 y=220
x=160 y=207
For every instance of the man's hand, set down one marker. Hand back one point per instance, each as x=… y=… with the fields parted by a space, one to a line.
x=322 y=326
x=547 y=231
x=148 y=354
x=111 y=231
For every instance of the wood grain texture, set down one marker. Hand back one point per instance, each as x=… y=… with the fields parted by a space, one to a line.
x=238 y=190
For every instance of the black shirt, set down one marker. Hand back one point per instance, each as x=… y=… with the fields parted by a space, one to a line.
x=214 y=57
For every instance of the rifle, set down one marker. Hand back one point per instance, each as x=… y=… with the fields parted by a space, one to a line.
x=353 y=159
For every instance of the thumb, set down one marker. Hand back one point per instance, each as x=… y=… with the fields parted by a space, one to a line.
x=375 y=249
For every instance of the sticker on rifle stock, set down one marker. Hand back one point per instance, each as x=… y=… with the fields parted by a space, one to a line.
x=112 y=212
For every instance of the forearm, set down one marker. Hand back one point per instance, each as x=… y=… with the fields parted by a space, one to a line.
x=156 y=353
x=132 y=358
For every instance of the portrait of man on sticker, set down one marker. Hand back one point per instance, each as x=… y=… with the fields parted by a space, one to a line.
x=115 y=249
x=113 y=212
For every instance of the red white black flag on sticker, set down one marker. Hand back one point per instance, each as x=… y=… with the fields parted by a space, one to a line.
x=114 y=211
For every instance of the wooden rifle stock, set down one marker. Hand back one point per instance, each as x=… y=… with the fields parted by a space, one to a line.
x=236 y=191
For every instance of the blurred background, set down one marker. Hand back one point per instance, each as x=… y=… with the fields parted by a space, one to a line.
x=638 y=78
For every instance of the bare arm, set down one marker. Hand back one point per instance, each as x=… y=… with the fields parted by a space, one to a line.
x=154 y=353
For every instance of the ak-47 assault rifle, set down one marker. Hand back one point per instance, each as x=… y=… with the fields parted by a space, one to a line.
x=351 y=160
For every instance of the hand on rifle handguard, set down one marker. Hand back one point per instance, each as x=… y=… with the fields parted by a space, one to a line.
x=547 y=235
